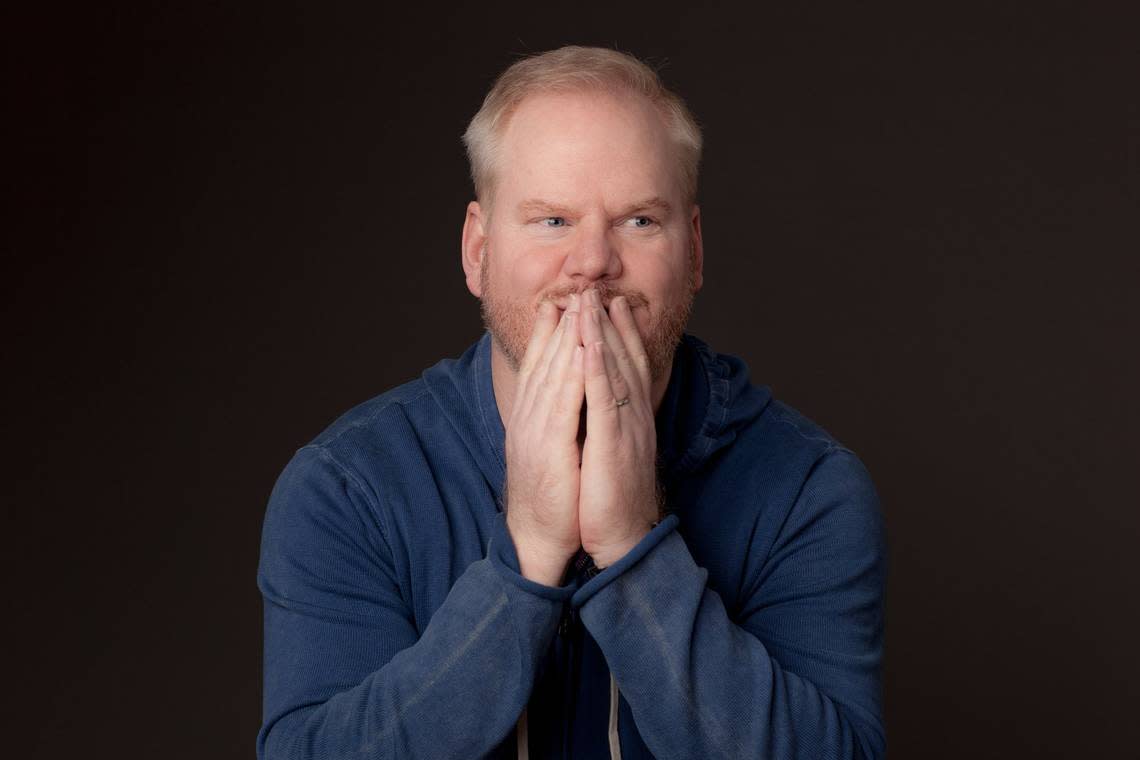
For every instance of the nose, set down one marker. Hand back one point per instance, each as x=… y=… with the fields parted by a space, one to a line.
x=593 y=255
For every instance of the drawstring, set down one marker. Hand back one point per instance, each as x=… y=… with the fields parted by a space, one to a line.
x=615 y=739
x=520 y=732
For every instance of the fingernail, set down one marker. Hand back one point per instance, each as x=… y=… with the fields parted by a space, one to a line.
x=573 y=300
x=595 y=317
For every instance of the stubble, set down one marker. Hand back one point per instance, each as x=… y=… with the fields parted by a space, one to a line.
x=510 y=321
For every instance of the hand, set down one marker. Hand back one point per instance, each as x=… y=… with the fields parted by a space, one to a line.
x=542 y=447
x=618 y=501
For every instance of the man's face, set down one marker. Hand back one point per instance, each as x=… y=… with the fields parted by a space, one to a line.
x=587 y=196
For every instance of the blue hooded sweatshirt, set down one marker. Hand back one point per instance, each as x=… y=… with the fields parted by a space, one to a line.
x=748 y=623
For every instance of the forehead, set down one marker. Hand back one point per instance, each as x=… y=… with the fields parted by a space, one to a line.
x=586 y=147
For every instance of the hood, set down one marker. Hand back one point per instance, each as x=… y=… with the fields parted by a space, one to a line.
x=708 y=400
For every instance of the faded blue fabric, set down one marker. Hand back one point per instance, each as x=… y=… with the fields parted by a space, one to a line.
x=749 y=623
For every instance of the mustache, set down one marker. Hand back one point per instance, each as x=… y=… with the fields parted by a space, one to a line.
x=607 y=293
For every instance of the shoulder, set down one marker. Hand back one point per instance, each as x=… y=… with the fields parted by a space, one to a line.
x=781 y=453
x=333 y=491
x=381 y=437
x=345 y=463
x=385 y=430
x=804 y=462
x=372 y=418
x=787 y=422
x=824 y=463
x=337 y=463
x=830 y=508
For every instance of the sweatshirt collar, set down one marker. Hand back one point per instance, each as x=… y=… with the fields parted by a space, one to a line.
x=491 y=422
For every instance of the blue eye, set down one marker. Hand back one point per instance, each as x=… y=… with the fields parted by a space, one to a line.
x=642 y=222
x=558 y=221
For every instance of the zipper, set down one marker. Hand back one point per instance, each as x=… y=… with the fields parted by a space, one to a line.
x=571 y=652
x=565 y=621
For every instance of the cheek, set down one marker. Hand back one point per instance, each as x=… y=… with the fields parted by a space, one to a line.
x=666 y=289
x=519 y=273
x=535 y=266
x=662 y=286
x=644 y=321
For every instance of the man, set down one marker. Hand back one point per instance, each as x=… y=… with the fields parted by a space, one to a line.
x=589 y=536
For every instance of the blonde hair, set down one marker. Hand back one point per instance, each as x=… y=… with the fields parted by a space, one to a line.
x=575 y=69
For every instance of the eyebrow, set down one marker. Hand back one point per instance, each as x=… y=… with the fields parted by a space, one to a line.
x=539 y=206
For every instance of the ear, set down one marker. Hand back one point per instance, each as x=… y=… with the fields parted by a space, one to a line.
x=698 y=259
x=472 y=247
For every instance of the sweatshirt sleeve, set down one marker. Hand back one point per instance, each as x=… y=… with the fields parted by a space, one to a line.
x=796 y=673
x=345 y=672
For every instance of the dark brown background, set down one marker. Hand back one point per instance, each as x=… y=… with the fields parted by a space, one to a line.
x=231 y=225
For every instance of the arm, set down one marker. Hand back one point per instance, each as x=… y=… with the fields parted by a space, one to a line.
x=797 y=675
x=346 y=673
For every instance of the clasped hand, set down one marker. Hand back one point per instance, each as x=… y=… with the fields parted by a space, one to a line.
x=600 y=494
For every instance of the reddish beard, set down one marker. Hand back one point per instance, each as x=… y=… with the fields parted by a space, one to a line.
x=510 y=322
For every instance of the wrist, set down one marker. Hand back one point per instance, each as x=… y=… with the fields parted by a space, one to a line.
x=604 y=556
x=540 y=561
x=545 y=572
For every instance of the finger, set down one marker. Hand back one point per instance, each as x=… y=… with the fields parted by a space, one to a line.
x=596 y=328
x=602 y=412
x=622 y=317
x=561 y=388
x=623 y=370
x=591 y=321
x=621 y=387
x=525 y=390
x=544 y=327
x=538 y=375
x=564 y=349
x=570 y=390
